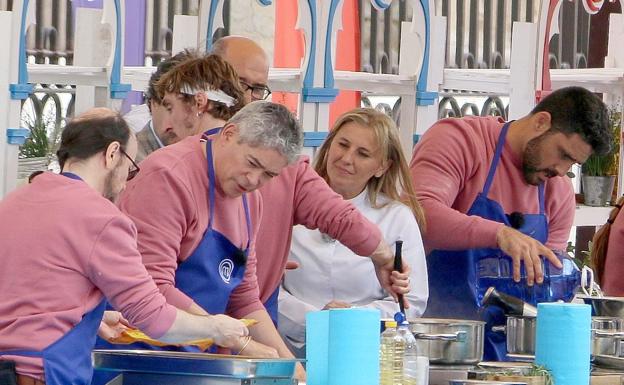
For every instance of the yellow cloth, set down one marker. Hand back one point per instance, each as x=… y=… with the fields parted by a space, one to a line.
x=130 y=336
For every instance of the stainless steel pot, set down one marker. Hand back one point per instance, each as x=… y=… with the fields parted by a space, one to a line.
x=607 y=323
x=449 y=341
x=520 y=335
x=606 y=306
x=607 y=333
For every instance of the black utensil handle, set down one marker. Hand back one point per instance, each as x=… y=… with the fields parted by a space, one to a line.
x=398 y=260
x=398 y=266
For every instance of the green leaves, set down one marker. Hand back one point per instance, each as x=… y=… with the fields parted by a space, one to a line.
x=605 y=165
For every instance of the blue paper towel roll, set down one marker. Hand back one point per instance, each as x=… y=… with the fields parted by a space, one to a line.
x=563 y=341
x=342 y=347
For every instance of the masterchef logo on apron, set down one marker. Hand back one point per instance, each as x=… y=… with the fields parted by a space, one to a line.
x=226 y=267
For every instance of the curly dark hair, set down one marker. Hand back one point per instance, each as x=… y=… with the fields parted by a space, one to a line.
x=209 y=71
x=576 y=110
x=162 y=68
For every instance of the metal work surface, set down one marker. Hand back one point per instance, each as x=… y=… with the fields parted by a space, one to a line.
x=193 y=365
x=180 y=379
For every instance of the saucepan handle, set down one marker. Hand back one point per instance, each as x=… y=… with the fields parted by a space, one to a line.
x=459 y=336
x=499 y=329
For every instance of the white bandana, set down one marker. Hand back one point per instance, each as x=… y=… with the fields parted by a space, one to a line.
x=214 y=95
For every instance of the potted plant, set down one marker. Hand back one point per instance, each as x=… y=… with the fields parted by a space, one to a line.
x=599 y=171
x=38 y=150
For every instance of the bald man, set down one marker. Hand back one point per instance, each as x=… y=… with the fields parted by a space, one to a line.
x=250 y=62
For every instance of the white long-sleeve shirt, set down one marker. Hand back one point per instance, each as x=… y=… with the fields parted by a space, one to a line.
x=330 y=271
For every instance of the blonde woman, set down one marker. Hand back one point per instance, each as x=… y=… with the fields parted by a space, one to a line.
x=361 y=160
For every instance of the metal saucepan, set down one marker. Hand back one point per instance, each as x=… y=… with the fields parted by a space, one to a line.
x=607 y=332
x=520 y=334
x=449 y=341
x=605 y=306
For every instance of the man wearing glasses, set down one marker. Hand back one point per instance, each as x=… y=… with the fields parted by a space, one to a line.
x=250 y=63
x=66 y=249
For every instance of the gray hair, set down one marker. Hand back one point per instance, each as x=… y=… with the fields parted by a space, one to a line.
x=270 y=125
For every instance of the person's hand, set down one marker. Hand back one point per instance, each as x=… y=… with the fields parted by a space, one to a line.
x=383 y=260
x=227 y=331
x=522 y=248
x=336 y=305
x=248 y=347
x=401 y=282
x=300 y=374
x=112 y=324
x=291 y=265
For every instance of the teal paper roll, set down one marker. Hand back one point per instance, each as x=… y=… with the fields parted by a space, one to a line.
x=563 y=341
x=342 y=347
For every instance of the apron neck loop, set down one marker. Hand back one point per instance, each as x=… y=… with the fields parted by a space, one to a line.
x=211 y=188
x=540 y=191
x=211 y=182
x=71 y=175
x=497 y=154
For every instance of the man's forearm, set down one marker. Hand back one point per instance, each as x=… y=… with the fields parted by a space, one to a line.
x=266 y=333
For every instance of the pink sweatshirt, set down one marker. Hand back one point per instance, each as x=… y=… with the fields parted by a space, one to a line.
x=612 y=283
x=299 y=196
x=168 y=202
x=449 y=168
x=63 y=248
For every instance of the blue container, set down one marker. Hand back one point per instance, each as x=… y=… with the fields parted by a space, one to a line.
x=558 y=285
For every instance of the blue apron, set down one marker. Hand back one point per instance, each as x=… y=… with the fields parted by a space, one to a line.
x=271 y=303
x=208 y=276
x=217 y=266
x=67 y=361
x=458 y=279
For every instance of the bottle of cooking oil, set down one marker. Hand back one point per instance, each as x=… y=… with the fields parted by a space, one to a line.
x=391 y=356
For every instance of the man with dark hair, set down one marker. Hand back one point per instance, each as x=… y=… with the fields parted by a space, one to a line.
x=66 y=248
x=496 y=197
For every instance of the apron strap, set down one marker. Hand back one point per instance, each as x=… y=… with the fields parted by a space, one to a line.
x=71 y=175
x=211 y=182
x=23 y=353
x=211 y=189
x=248 y=220
x=497 y=154
x=540 y=194
x=210 y=132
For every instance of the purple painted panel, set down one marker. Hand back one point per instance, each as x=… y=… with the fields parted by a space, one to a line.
x=134 y=44
x=87 y=3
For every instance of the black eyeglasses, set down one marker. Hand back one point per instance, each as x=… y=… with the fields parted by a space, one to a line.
x=257 y=92
x=134 y=170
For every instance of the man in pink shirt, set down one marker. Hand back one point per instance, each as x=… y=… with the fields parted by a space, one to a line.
x=298 y=196
x=496 y=196
x=66 y=247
